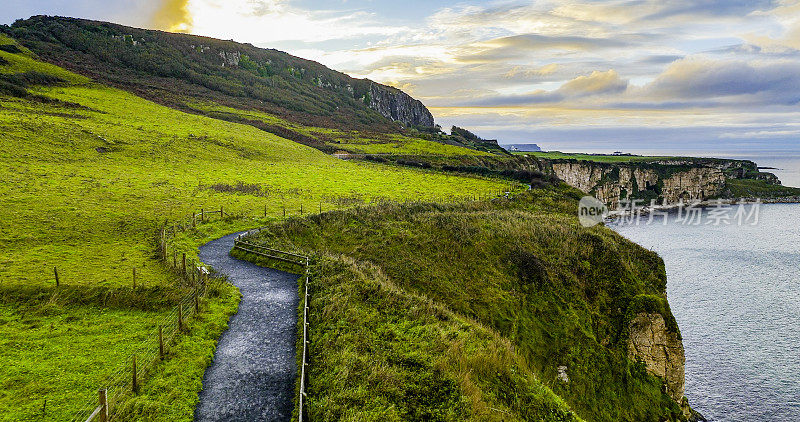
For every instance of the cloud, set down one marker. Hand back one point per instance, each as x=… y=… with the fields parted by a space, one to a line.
x=545 y=70
x=598 y=82
x=708 y=8
x=594 y=84
x=173 y=15
x=787 y=15
x=702 y=78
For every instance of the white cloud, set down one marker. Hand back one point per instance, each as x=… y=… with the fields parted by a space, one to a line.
x=270 y=21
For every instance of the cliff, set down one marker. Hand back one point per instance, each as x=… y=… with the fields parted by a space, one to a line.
x=661 y=350
x=664 y=180
x=611 y=183
x=399 y=106
x=565 y=299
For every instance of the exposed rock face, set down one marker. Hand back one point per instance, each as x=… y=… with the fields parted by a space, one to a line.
x=661 y=351
x=230 y=58
x=612 y=182
x=399 y=106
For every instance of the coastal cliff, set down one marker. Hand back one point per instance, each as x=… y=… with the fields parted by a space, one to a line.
x=611 y=183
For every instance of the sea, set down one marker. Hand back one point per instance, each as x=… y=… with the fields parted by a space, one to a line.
x=733 y=285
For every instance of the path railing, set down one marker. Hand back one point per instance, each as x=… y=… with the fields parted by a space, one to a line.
x=292 y=258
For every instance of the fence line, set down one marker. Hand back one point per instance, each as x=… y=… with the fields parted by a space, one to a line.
x=153 y=349
x=192 y=275
x=297 y=259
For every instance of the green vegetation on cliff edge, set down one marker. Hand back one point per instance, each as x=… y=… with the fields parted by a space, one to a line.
x=467 y=311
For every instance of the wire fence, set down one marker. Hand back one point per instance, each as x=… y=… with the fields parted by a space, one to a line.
x=127 y=378
x=100 y=405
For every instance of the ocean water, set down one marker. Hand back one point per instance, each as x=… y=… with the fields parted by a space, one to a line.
x=735 y=292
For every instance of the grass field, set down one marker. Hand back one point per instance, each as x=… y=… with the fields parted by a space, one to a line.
x=88 y=180
x=600 y=158
x=348 y=141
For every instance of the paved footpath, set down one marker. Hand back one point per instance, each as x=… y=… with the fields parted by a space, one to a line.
x=254 y=370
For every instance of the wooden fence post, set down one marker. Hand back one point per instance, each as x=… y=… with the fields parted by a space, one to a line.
x=320 y=207
x=194 y=219
x=135 y=384
x=103 y=405
x=161 y=341
x=175 y=259
x=221 y=214
x=202 y=216
x=265 y=210
x=55 y=272
x=284 y=211
x=301 y=209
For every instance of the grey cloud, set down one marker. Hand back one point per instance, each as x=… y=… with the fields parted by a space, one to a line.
x=710 y=8
x=521 y=46
x=538 y=42
x=774 y=83
x=596 y=84
x=661 y=59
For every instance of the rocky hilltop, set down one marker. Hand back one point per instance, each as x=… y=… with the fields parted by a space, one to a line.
x=399 y=106
x=177 y=69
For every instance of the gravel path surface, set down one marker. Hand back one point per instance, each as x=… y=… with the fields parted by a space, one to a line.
x=252 y=377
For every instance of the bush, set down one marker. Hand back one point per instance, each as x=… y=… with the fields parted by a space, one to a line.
x=10 y=48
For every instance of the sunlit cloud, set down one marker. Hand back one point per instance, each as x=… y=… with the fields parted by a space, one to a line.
x=270 y=21
x=173 y=15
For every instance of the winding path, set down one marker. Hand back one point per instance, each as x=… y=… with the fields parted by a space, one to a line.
x=254 y=369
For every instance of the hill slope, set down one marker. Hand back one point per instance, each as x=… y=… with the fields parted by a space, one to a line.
x=171 y=68
x=90 y=174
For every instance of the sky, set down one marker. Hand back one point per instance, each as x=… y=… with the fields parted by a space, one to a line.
x=633 y=75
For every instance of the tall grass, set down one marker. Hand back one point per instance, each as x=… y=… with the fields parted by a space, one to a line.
x=89 y=176
x=553 y=292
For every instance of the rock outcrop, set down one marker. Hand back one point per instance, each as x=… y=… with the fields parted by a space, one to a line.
x=611 y=183
x=230 y=58
x=659 y=349
x=399 y=106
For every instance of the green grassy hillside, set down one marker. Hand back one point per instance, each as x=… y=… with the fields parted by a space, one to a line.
x=553 y=293
x=340 y=140
x=173 y=68
x=90 y=174
x=600 y=158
